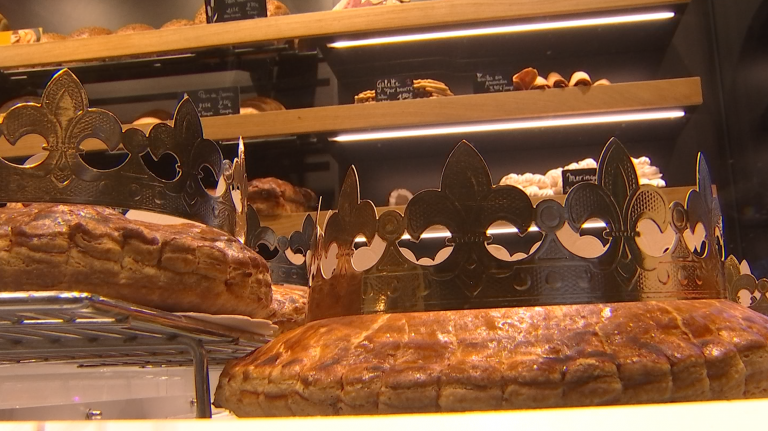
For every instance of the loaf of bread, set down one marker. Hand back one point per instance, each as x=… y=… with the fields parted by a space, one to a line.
x=186 y=267
x=510 y=358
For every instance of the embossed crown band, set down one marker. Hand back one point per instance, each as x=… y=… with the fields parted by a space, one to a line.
x=65 y=120
x=627 y=264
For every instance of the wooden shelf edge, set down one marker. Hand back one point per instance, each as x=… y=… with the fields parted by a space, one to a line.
x=285 y=225
x=533 y=104
x=309 y=25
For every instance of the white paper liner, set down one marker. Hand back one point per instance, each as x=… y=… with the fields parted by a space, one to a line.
x=240 y=323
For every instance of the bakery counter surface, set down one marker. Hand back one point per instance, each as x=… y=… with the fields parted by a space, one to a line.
x=328 y=24
x=497 y=107
x=702 y=416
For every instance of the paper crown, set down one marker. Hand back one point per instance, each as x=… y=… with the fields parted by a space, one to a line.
x=288 y=260
x=631 y=265
x=744 y=288
x=64 y=119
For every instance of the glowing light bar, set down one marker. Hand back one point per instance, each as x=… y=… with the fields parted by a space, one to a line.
x=446 y=234
x=493 y=127
x=517 y=28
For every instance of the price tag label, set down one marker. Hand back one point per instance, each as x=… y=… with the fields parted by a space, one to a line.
x=216 y=101
x=571 y=177
x=234 y=10
x=493 y=82
x=394 y=89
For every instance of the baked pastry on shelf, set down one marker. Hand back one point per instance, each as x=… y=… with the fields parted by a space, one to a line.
x=89 y=32
x=177 y=23
x=153 y=116
x=277 y=8
x=274 y=197
x=507 y=358
x=255 y=105
x=187 y=267
x=134 y=28
x=52 y=37
x=529 y=79
x=289 y=307
x=423 y=89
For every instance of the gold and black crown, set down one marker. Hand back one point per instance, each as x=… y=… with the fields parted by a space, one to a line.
x=282 y=268
x=65 y=120
x=627 y=266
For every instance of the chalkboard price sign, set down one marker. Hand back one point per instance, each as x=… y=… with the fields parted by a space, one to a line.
x=394 y=89
x=492 y=82
x=216 y=101
x=571 y=177
x=234 y=10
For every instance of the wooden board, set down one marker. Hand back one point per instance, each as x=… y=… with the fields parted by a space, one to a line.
x=285 y=225
x=310 y=25
x=533 y=104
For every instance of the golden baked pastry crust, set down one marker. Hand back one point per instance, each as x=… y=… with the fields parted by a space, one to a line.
x=276 y=8
x=90 y=32
x=529 y=357
x=289 y=306
x=262 y=104
x=185 y=267
x=134 y=28
x=272 y=197
x=176 y=23
x=52 y=37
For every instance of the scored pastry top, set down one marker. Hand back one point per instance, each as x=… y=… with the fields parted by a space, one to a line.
x=185 y=267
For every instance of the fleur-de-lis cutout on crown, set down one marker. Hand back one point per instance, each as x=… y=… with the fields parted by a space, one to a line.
x=354 y=217
x=341 y=293
x=621 y=203
x=281 y=269
x=745 y=289
x=65 y=120
x=466 y=204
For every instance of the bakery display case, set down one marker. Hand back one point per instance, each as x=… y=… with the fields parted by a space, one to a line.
x=307 y=102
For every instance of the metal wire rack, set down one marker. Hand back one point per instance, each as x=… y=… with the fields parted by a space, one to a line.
x=89 y=330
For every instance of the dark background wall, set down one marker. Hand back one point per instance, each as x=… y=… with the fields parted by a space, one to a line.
x=741 y=28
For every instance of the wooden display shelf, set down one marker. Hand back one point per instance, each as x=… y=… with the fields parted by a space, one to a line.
x=444 y=13
x=285 y=225
x=533 y=104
